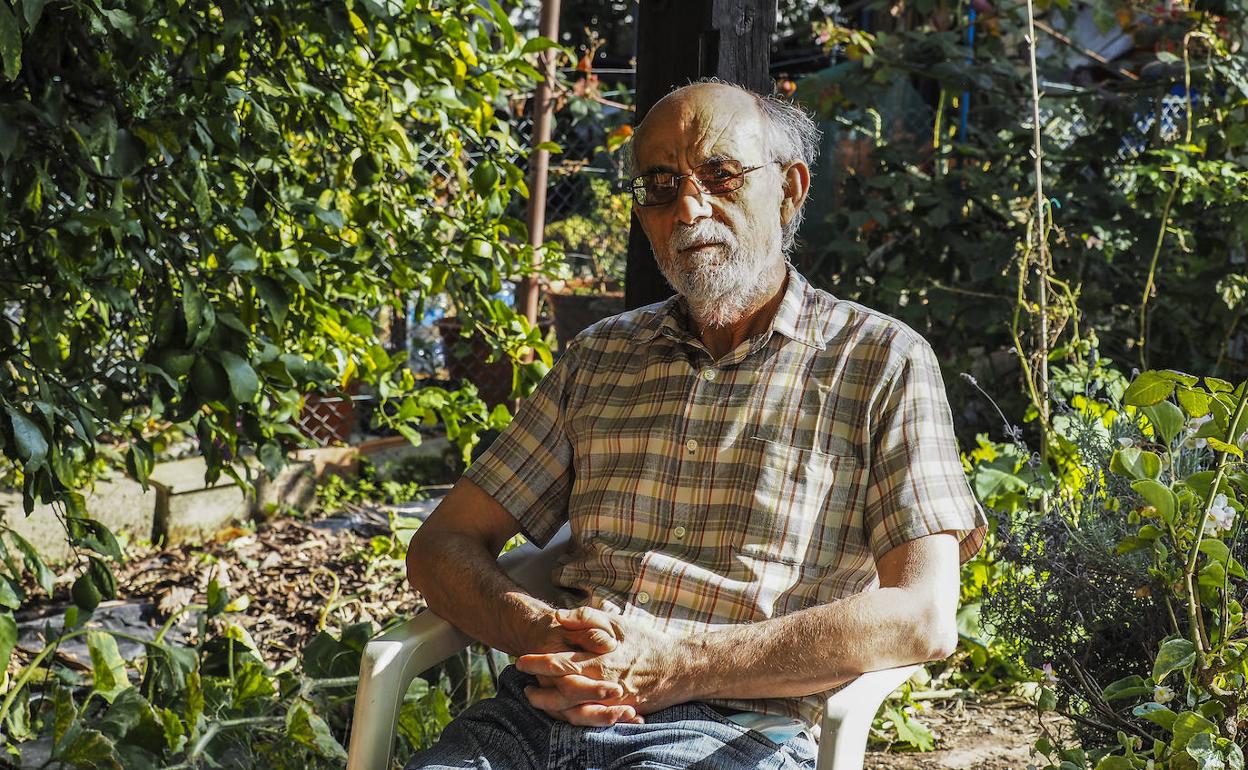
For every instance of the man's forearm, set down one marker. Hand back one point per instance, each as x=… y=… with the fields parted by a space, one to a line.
x=461 y=582
x=814 y=649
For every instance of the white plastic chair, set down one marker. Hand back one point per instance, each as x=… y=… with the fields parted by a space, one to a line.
x=392 y=661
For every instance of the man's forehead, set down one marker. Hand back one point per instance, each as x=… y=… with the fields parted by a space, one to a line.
x=692 y=128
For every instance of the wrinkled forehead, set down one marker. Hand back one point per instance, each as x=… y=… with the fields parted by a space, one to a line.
x=684 y=130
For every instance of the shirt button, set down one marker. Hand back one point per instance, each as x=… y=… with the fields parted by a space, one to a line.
x=643 y=597
x=679 y=532
x=691 y=445
x=709 y=375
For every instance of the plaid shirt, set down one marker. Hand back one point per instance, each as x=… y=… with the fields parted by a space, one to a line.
x=704 y=493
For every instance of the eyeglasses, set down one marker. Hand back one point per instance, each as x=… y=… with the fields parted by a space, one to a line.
x=715 y=177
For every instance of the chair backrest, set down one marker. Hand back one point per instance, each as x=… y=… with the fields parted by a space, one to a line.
x=531 y=566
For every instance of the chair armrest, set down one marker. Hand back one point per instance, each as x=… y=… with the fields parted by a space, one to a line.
x=390 y=663
x=393 y=660
x=848 y=714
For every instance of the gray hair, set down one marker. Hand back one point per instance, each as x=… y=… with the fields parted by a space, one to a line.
x=792 y=135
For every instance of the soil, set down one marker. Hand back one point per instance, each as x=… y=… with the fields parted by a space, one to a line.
x=993 y=733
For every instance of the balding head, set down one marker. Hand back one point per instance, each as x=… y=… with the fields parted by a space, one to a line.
x=774 y=129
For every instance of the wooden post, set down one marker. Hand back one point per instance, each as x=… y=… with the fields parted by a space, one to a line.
x=683 y=40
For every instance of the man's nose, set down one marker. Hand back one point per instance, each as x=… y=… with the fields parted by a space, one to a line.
x=692 y=203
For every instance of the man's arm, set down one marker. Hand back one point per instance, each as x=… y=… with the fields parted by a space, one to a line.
x=453 y=561
x=909 y=619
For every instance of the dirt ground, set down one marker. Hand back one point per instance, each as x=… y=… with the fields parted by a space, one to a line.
x=990 y=734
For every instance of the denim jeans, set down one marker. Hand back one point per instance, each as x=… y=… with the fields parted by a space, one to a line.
x=506 y=733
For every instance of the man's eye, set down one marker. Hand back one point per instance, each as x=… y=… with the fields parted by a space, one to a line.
x=660 y=180
x=718 y=171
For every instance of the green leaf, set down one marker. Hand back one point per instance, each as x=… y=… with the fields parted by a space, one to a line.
x=1166 y=419
x=1218 y=386
x=1128 y=687
x=244 y=383
x=1135 y=463
x=1194 y=402
x=1155 y=713
x=274 y=297
x=10 y=43
x=535 y=44
x=1183 y=378
x=8 y=595
x=128 y=157
x=8 y=637
x=32 y=447
x=1114 y=762
x=34 y=563
x=125 y=713
x=251 y=681
x=32 y=10
x=551 y=147
x=1159 y=496
x=1186 y=725
x=108 y=670
x=1173 y=655
x=90 y=748
x=1221 y=446
x=199 y=314
x=910 y=731
x=1147 y=389
x=309 y=729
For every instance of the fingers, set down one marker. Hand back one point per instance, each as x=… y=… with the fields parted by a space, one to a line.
x=570 y=691
x=584 y=618
x=581 y=689
x=599 y=715
x=592 y=714
x=548 y=664
x=593 y=640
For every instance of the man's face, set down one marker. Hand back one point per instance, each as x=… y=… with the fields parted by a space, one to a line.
x=714 y=249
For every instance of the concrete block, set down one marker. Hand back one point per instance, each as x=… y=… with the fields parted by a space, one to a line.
x=294 y=487
x=188 y=508
x=119 y=502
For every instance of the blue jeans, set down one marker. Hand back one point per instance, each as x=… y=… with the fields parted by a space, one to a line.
x=506 y=733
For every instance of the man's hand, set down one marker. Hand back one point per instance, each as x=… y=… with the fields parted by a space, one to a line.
x=574 y=630
x=642 y=665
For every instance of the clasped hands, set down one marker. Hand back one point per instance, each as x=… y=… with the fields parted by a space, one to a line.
x=601 y=669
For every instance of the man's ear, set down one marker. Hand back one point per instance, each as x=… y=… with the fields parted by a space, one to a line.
x=796 y=186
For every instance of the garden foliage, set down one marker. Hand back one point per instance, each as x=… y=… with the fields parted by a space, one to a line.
x=1127 y=585
x=202 y=207
x=925 y=217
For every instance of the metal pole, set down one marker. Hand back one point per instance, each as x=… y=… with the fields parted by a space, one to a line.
x=543 y=108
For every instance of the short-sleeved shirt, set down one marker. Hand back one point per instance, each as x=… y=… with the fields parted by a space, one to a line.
x=704 y=493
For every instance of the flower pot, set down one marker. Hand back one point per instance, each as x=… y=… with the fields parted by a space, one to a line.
x=575 y=311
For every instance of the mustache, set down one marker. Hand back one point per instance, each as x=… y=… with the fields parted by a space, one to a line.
x=706 y=231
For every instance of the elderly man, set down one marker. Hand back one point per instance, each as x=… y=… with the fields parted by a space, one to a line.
x=762 y=481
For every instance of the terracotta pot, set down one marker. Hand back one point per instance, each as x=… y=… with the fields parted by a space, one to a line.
x=574 y=312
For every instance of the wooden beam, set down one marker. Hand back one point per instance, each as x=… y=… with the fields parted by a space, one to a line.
x=683 y=40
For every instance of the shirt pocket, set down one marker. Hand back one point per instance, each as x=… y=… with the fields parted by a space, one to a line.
x=796 y=508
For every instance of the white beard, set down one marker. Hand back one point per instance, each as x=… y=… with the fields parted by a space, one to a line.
x=721 y=283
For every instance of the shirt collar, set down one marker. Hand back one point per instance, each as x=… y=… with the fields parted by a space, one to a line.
x=797 y=317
